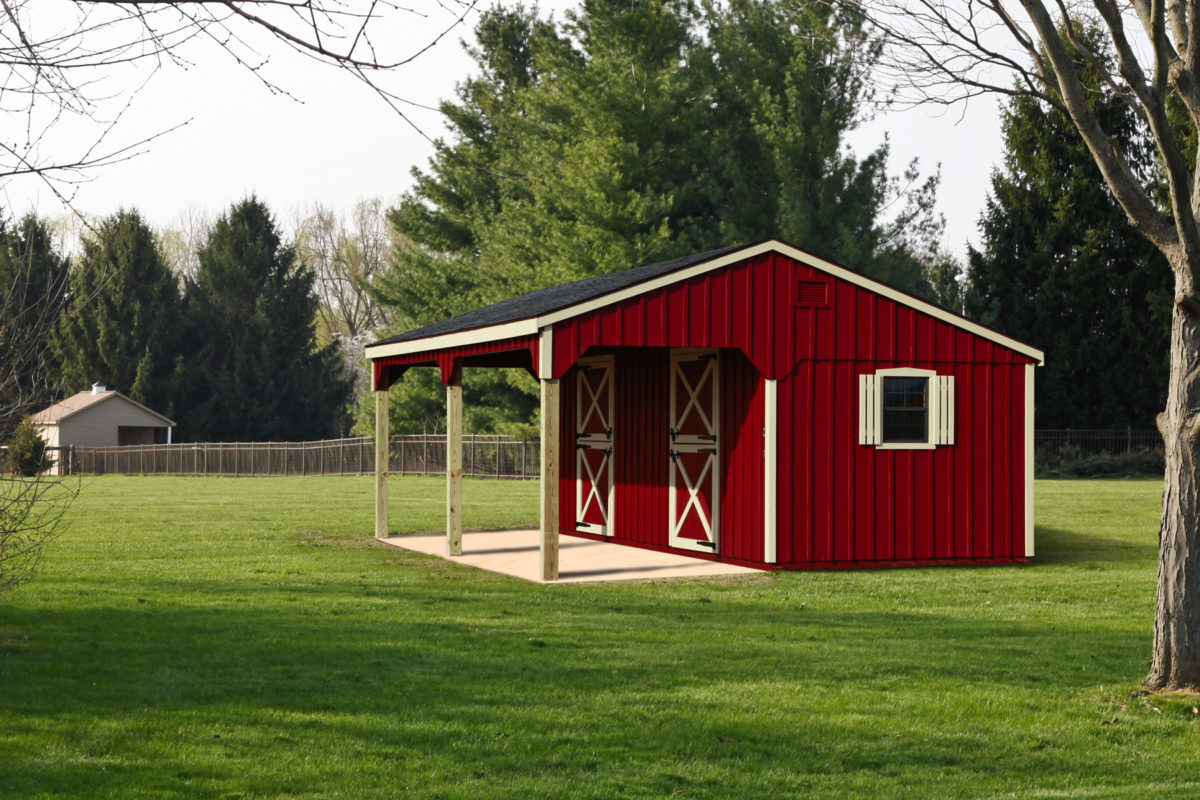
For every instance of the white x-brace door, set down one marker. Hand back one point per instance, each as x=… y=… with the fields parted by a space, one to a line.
x=593 y=446
x=694 y=483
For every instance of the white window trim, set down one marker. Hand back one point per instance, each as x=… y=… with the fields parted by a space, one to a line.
x=939 y=429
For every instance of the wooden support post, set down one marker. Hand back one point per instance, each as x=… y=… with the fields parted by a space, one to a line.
x=454 y=463
x=551 y=396
x=381 y=464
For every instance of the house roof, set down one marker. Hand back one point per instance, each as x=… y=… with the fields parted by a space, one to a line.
x=77 y=403
x=555 y=298
x=529 y=313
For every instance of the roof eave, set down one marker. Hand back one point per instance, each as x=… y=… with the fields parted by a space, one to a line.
x=533 y=325
x=489 y=333
x=109 y=394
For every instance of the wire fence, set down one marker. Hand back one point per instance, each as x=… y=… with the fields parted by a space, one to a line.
x=1095 y=442
x=483 y=457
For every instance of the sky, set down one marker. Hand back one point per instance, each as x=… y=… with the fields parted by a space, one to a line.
x=226 y=135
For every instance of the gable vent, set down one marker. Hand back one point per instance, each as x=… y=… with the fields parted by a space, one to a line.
x=813 y=293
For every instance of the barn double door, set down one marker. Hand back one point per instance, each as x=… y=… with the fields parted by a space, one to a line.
x=594 y=446
x=694 y=423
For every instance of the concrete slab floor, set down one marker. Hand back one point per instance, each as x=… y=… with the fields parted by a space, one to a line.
x=515 y=553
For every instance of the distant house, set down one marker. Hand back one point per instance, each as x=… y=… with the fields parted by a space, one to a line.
x=100 y=418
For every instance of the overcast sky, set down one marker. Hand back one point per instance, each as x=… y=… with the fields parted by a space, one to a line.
x=335 y=142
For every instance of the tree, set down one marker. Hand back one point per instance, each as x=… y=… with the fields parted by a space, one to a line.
x=346 y=256
x=84 y=61
x=79 y=61
x=34 y=275
x=182 y=239
x=27 y=450
x=35 y=279
x=121 y=326
x=257 y=373
x=639 y=132
x=1061 y=266
x=947 y=52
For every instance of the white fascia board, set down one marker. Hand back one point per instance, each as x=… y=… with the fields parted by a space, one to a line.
x=492 y=333
x=812 y=261
x=914 y=303
x=533 y=325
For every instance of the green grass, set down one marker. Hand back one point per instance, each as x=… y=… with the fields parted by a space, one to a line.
x=243 y=638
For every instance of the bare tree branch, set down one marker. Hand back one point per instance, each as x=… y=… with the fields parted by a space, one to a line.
x=86 y=61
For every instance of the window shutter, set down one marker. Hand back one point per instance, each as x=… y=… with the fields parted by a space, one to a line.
x=870 y=428
x=944 y=409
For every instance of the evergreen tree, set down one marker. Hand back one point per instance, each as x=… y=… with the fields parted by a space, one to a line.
x=121 y=326
x=34 y=277
x=637 y=132
x=255 y=372
x=1060 y=266
x=789 y=81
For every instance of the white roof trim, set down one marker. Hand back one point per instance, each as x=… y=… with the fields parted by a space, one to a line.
x=491 y=333
x=533 y=325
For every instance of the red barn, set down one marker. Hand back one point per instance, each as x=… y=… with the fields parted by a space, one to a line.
x=754 y=404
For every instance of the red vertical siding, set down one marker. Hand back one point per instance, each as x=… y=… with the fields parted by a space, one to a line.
x=741 y=449
x=838 y=502
x=841 y=502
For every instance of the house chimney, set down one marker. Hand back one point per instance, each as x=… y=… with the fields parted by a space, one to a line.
x=99 y=388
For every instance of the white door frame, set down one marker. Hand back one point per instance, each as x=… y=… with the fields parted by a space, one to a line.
x=707 y=442
x=587 y=404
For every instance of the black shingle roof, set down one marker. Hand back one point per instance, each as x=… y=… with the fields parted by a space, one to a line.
x=556 y=298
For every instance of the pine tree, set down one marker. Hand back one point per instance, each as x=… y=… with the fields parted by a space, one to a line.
x=34 y=277
x=789 y=81
x=121 y=326
x=637 y=132
x=254 y=372
x=1060 y=266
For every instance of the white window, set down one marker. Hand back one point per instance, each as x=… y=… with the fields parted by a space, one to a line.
x=905 y=409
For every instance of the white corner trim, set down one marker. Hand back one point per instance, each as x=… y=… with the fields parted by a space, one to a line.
x=770 y=470
x=1029 y=548
x=493 y=333
x=546 y=353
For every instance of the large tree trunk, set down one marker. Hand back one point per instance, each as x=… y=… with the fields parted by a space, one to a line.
x=1176 y=659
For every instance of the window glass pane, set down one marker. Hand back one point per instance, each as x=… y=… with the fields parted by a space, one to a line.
x=904 y=426
x=905 y=409
x=904 y=392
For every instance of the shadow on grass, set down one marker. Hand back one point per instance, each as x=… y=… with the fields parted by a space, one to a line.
x=517 y=685
x=1059 y=546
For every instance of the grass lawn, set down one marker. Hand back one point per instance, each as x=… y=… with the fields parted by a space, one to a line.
x=244 y=638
